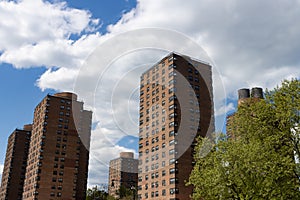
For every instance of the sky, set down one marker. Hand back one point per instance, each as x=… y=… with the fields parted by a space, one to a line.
x=98 y=49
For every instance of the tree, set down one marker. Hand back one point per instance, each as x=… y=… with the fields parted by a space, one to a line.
x=126 y=193
x=261 y=160
x=96 y=194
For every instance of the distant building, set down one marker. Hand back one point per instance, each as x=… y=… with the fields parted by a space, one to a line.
x=57 y=163
x=122 y=172
x=176 y=106
x=244 y=96
x=15 y=164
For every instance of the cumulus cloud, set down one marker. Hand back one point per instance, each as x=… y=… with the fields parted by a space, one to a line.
x=249 y=43
x=1 y=170
x=224 y=109
x=246 y=40
x=37 y=33
x=103 y=149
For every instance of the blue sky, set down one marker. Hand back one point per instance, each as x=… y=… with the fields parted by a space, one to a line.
x=249 y=43
x=18 y=86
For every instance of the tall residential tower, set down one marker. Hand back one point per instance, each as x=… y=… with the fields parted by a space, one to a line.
x=176 y=106
x=57 y=164
x=15 y=164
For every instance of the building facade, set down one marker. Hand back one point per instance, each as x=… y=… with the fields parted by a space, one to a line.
x=245 y=96
x=176 y=106
x=123 y=172
x=57 y=163
x=15 y=164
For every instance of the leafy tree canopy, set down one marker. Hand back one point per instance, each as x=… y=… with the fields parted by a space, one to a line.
x=260 y=159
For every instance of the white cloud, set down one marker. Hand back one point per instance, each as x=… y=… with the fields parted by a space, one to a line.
x=103 y=149
x=37 y=33
x=224 y=109
x=251 y=43
x=1 y=170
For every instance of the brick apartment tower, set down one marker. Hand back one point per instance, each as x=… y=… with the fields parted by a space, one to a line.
x=57 y=164
x=15 y=164
x=176 y=106
x=244 y=97
x=122 y=172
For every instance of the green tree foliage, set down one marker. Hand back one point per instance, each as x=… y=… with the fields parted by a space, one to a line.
x=260 y=160
x=126 y=193
x=96 y=194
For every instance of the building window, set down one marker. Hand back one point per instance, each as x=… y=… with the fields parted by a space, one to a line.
x=173 y=180
x=174 y=190
x=171 y=151
x=172 y=161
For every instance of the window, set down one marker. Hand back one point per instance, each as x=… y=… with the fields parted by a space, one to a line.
x=173 y=171
x=171 y=124
x=171 y=142
x=171 y=151
x=171 y=98
x=152 y=175
x=171 y=90
x=174 y=191
x=156 y=175
x=173 y=181
x=172 y=115
x=171 y=82
x=152 y=194
x=172 y=161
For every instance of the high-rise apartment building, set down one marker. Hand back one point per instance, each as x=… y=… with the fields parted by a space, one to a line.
x=123 y=172
x=57 y=163
x=176 y=106
x=15 y=164
x=244 y=97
